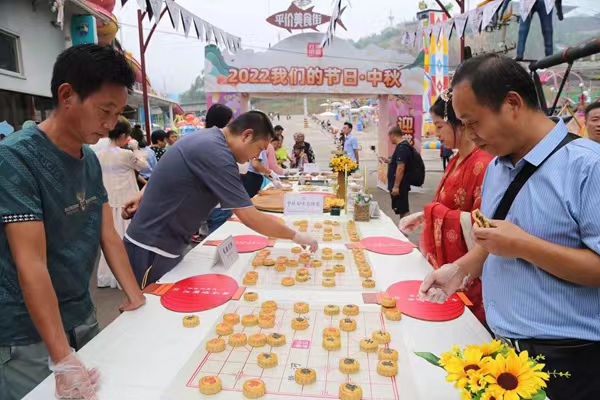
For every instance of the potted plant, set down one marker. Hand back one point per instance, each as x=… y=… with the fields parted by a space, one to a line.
x=335 y=205
x=362 y=207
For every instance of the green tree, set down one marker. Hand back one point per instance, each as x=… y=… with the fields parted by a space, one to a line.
x=195 y=93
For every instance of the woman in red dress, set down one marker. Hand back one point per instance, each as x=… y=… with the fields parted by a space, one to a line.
x=447 y=219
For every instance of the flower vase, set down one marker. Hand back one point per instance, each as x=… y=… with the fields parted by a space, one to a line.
x=341 y=186
x=335 y=211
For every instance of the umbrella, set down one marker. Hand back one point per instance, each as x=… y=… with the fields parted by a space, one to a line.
x=324 y=105
x=336 y=104
x=345 y=107
x=366 y=108
x=327 y=114
x=355 y=110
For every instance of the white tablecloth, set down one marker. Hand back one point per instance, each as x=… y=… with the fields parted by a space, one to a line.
x=140 y=353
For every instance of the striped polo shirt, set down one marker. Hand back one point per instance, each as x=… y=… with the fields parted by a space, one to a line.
x=560 y=203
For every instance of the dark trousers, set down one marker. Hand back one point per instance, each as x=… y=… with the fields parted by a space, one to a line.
x=148 y=267
x=577 y=357
x=547 y=29
x=252 y=182
x=445 y=161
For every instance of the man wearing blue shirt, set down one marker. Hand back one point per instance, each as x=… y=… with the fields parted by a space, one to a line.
x=351 y=143
x=540 y=268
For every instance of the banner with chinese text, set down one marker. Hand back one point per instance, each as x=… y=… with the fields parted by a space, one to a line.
x=295 y=65
x=405 y=112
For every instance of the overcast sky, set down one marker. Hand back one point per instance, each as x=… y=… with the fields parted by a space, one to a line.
x=173 y=61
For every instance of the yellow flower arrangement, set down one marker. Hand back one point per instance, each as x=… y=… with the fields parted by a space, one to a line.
x=343 y=163
x=493 y=371
x=333 y=202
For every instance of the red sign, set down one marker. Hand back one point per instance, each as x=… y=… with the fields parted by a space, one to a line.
x=384 y=245
x=314 y=49
x=406 y=294
x=296 y=18
x=199 y=293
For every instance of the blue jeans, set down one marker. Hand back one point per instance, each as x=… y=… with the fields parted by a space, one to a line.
x=217 y=217
x=545 y=20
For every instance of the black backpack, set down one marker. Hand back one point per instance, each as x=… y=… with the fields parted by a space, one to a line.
x=416 y=170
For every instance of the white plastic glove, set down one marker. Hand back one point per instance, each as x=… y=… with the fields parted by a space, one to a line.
x=411 y=222
x=306 y=240
x=442 y=283
x=275 y=180
x=73 y=379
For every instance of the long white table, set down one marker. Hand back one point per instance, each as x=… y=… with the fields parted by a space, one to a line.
x=140 y=353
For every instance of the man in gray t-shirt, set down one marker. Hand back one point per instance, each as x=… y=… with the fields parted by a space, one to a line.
x=197 y=173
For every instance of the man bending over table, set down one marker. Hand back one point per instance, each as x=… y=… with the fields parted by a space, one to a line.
x=54 y=217
x=199 y=172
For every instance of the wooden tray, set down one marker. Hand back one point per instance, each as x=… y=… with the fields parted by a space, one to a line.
x=271 y=191
x=274 y=203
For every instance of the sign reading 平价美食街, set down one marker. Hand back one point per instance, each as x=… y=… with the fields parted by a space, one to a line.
x=287 y=67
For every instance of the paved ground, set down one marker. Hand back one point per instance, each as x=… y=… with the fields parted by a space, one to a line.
x=107 y=300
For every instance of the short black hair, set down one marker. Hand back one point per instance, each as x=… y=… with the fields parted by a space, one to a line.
x=591 y=108
x=172 y=132
x=159 y=136
x=88 y=67
x=120 y=129
x=396 y=131
x=278 y=128
x=218 y=115
x=258 y=121
x=349 y=125
x=441 y=109
x=492 y=76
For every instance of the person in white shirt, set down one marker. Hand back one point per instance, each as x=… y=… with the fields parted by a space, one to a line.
x=118 y=175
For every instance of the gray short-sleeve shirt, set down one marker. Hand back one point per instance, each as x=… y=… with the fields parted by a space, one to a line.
x=193 y=176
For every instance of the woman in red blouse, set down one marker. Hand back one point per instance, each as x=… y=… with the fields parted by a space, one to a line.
x=447 y=219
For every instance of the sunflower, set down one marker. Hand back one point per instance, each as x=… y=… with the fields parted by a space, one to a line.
x=460 y=369
x=490 y=394
x=515 y=376
x=447 y=356
x=489 y=349
x=466 y=395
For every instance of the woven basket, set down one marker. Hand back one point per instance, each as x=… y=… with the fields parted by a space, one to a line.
x=362 y=213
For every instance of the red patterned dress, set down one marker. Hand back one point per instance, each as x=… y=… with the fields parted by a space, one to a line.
x=442 y=241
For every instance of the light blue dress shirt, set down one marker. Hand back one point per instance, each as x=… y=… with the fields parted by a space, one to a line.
x=350 y=144
x=262 y=157
x=146 y=173
x=560 y=204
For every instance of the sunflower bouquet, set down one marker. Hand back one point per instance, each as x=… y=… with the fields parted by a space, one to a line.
x=493 y=371
x=334 y=202
x=343 y=163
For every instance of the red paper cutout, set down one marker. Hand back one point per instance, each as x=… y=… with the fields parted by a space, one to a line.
x=384 y=245
x=199 y=293
x=245 y=243
x=406 y=294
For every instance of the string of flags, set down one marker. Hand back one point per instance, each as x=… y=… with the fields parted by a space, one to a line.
x=179 y=16
x=478 y=19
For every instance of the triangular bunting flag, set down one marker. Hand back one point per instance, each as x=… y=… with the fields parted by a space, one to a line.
x=489 y=10
x=199 y=26
x=436 y=30
x=525 y=7
x=460 y=22
x=142 y=4
x=427 y=31
x=123 y=3
x=208 y=31
x=217 y=34
x=475 y=17
x=186 y=18
x=156 y=8
x=448 y=26
x=174 y=13
x=418 y=41
x=224 y=37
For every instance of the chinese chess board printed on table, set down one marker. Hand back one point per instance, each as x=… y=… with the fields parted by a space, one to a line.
x=328 y=230
x=295 y=268
x=297 y=351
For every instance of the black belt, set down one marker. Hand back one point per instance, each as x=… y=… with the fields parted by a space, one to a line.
x=523 y=344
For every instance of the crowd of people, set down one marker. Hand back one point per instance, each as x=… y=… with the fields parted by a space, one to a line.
x=533 y=276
